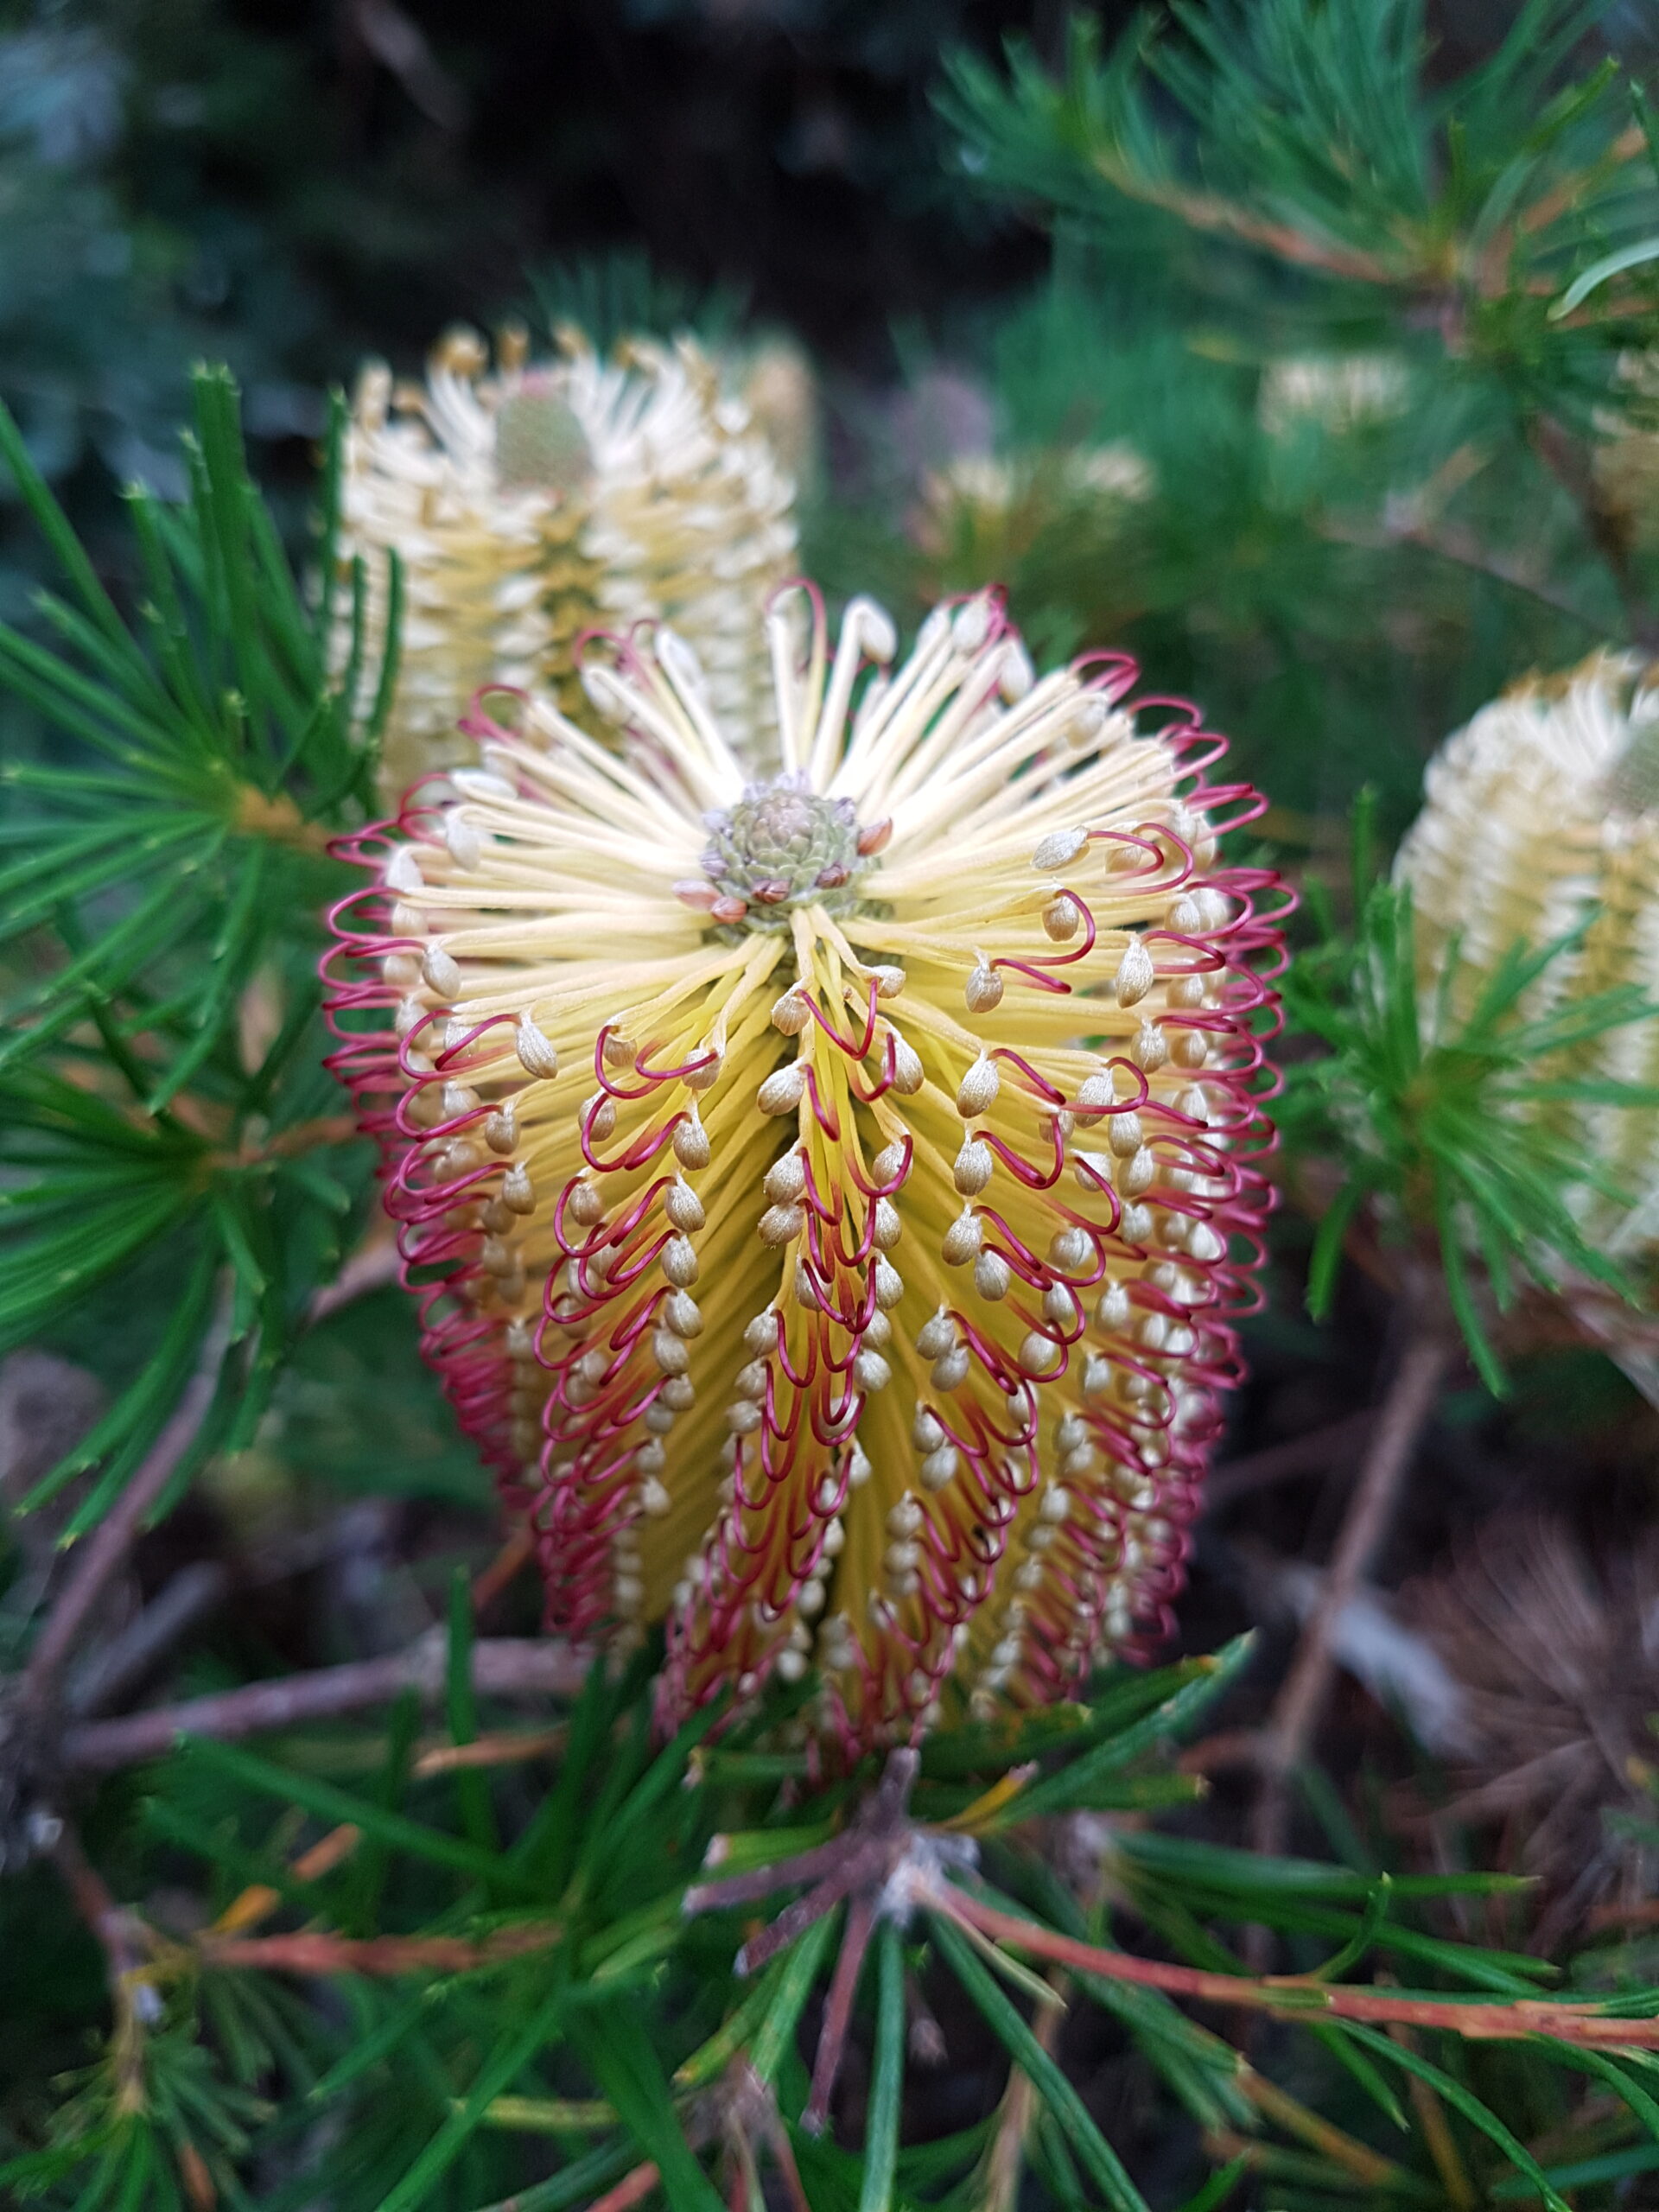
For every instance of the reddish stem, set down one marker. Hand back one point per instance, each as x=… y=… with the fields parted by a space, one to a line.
x=1290 y=1994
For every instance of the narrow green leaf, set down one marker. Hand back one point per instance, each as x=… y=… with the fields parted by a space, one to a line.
x=887 y=2075
x=1219 y=2187
x=1356 y=2062
x=329 y=1802
x=1377 y=1911
x=1460 y=2099
x=776 y=2039
x=55 y=527
x=1102 y=2163
x=625 y=2066
x=1599 y=273
x=583 y=2182
x=1079 y=1782
x=504 y=2063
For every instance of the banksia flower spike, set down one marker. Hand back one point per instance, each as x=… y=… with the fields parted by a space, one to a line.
x=834 y=1190
x=533 y=502
x=1541 y=819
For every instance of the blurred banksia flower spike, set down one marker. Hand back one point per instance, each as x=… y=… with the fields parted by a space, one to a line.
x=1541 y=823
x=532 y=502
x=833 y=1189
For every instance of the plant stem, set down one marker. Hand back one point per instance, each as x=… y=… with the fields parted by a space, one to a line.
x=1007 y=2161
x=106 y=1548
x=119 y=1936
x=1404 y=1413
x=629 y=2190
x=1462 y=550
x=314 y=1952
x=1320 y=1450
x=502 y=1667
x=1300 y=1996
x=1568 y=461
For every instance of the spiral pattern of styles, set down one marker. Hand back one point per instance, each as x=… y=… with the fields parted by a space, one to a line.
x=830 y=1184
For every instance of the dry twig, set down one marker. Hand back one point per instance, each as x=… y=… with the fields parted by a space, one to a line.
x=1406 y=1411
x=502 y=1667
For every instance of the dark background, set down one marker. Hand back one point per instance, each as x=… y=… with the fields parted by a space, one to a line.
x=289 y=186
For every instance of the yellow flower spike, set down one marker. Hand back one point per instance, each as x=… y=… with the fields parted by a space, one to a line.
x=534 y=502
x=809 y=1235
x=1542 y=817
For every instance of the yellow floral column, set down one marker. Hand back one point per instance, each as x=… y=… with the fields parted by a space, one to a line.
x=833 y=1188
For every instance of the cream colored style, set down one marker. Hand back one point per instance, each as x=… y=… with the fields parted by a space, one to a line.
x=1542 y=817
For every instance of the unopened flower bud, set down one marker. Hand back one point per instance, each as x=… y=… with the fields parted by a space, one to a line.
x=783 y=1091
x=977 y=1090
x=972 y=1171
x=906 y=1067
x=781 y=1224
x=785 y=1179
x=871 y=1372
x=679 y=1261
x=440 y=972
x=1058 y=849
x=890 y=1164
x=1062 y=918
x=1148 y=1048
x=962 y=1239
x=682 y=1206
x=1138 y=1174
x=535 y=1049
x=983 y=990
x=691 y=1142
x=1135 y=974
x=950 y=1371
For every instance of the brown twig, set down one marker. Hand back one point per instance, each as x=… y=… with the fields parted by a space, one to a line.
x=1367 y=2166
x=1405 y=1412
x=1437 y=2131
x=856 y=1865
x=505 y=1747
x=1319 y=1450
x=106 y=1548
x=924 y=2036
x=502 y=1667
x=1300 y=1996
x=317 y=1953
x=838 y=2009
x=1005 y=2160
x=373 y=1265
x=492 y=1580
x=104 y=1677
x=1569 y=462
x=278 y=819
x=751 y=2115
x=1463 y=550
x=629 y=2190
x=120 y=1936
x=1209 y=211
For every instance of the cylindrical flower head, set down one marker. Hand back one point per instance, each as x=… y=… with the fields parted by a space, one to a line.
x=1542 y=817
x=835 y=1190
x=533 y=503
